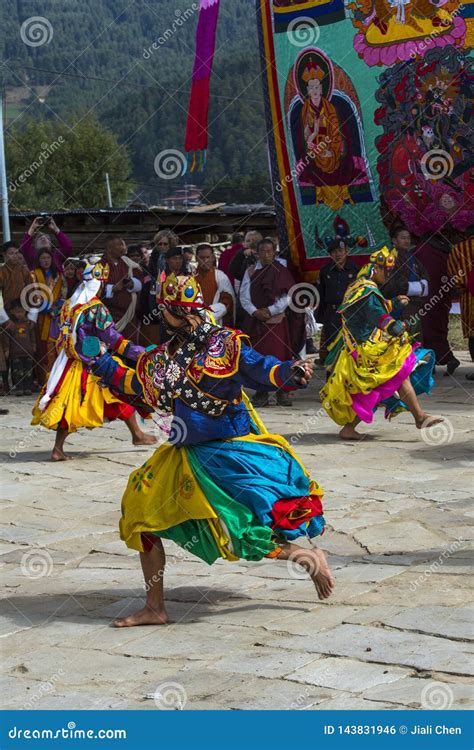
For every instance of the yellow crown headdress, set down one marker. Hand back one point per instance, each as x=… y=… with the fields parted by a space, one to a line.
x=384 y=257
x=99 y=272
x=181 y=291
x=313 y=71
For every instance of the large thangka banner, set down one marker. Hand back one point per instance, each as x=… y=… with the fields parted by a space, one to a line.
x=328 y=67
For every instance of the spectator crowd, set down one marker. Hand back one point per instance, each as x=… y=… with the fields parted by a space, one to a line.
x=248 y=286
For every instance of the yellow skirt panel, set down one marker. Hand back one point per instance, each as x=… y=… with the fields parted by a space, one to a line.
x=376 y=363
x=161 y=494
x=67 y=403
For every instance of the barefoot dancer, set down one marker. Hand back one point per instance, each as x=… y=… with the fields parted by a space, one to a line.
x=372 y=361
x=221 y=486
x=72 y=397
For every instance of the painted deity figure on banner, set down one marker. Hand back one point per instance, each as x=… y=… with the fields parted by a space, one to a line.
x=327 y=135
x=425 y=164
x=390 y=31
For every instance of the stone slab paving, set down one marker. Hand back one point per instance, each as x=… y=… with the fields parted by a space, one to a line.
x=396 y=634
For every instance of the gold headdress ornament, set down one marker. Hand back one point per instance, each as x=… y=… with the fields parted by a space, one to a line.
x=312 y=71
x=181 y=291
x=99 y=272
x=384 y=257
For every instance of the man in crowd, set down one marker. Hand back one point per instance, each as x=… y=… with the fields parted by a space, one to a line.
x=434 y=253
x=229 y=254
x=244 y=258
x=215 y=285
x=122 y=287
x=14 y=277
x=140 y=254
x=14 y=280
x=35 y=241
x=461 y=269
x=273 y=327
x=334 y=279
x=409 y=278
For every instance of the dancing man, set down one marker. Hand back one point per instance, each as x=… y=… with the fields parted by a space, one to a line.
x=372 y=361
x=72 y=397
x=221 y=487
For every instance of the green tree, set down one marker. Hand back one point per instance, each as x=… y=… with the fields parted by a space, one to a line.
x=51 y=165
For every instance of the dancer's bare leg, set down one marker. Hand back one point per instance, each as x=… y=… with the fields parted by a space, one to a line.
x=57 y=453
x=154 y=611
x=349 y=431
x=315 y=562
x=408 y=396
x=138 y=436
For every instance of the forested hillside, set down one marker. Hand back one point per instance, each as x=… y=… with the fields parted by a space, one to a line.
x=99 y=58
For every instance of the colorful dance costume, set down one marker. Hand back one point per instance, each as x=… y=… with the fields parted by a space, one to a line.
x=72 y=397
x=222 y=486
x=372 y=355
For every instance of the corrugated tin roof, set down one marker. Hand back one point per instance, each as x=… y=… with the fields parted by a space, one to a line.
x=230 y=210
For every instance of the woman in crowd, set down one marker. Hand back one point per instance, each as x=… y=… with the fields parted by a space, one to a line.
x=49 y=283
x=150 y=329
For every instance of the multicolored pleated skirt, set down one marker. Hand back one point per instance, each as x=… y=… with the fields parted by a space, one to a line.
x=234 y=499
x=371 y=376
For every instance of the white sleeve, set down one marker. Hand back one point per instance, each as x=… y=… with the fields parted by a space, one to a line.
x=109 y=291
x=137 y=284
x=244 y=294
x=280 y=305
x=223 y=283
x=218 y=309
x=418 y=288
x=3 y=316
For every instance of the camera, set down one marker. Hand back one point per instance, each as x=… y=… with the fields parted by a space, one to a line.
x=44 y=221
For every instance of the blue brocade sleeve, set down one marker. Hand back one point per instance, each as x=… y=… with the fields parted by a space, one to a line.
x=113 y=374
x=265 y=372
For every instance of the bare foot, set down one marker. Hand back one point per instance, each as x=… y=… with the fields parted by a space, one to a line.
x=349 y=433
x=143 y=439
x=427 y=421
x=145 y=616
x=58 y=455
x=315 y=563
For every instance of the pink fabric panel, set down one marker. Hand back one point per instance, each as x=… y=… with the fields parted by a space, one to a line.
x=365 y=403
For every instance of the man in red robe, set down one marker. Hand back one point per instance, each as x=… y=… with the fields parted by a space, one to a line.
x=274 y=328
x=123 y=287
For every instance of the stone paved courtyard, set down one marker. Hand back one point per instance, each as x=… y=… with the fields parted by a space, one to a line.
x=395 y=634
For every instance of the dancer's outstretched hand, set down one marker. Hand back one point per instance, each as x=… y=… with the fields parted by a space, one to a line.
x=302 y=371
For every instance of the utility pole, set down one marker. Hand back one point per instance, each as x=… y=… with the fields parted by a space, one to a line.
x=3 y=178
x=109 y=193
